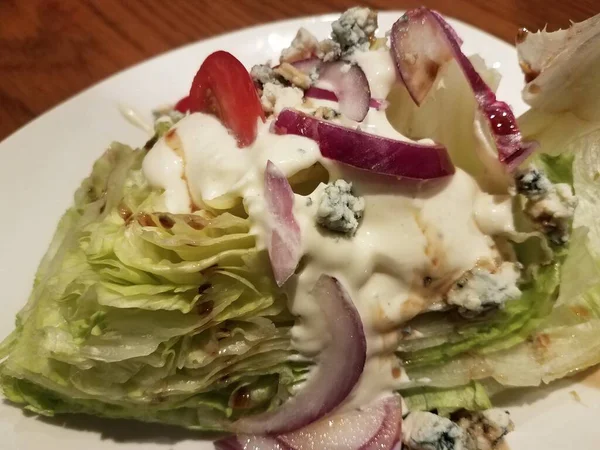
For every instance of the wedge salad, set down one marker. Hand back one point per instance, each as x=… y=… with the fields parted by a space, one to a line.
x=354 y=247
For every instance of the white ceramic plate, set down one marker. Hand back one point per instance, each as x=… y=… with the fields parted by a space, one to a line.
x=43 y=163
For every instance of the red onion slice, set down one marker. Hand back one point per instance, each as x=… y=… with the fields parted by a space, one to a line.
x=368 y=151
x=338 y=368
x=347 y=82
x=284 y=242
x=415 y=44
x=308 y=66
x=390 y=432
x=350 y=85
x=324 y=94
x=375 y=427
x=250 y=443
x=320 y=94
x=422 y=41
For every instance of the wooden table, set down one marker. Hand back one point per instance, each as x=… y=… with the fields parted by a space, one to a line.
x=52 y=49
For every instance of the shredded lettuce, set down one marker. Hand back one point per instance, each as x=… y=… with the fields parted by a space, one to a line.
x=143 y=314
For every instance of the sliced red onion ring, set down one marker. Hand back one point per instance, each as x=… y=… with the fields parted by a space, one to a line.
x=246 y=442
x=324 y=94
x=390 y=432
x=284 y=241
x=415 y=47
x=375 y=427
x=308 y=65
x=350 y=85
x=338 y=368
x=422 y=41
x=367 y=151
x=320 y=94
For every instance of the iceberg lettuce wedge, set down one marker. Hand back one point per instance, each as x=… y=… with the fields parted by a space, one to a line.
x=142 y=314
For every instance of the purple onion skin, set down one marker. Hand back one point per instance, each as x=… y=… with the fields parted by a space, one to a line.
x=367 y=151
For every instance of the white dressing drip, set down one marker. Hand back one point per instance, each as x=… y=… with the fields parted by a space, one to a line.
x=135 y=119
x=493 y=214
x=214 y=166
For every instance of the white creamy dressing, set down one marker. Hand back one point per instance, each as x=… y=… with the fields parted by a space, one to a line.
x=202 y=151
x=134 y=118
x=491 y=212
x=414 y=241
x=379 y=68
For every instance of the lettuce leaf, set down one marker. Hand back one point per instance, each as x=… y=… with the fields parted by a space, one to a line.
x=561 y=69
x=472 y=396
x=549 y=332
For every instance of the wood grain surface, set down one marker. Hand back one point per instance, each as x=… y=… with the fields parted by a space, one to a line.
x=52 y=49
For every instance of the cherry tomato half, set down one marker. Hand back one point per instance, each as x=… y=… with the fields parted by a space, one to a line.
x=223 y=87
x=183 y=105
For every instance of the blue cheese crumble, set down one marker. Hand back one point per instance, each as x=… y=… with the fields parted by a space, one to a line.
x=550 y=206
x=263 y=73
x=427 y=431
x=339 y=210
x=275 y=97
x=355 y=29
x=487 y=428
x=479 y=289
x=303 y=46
x=532 y=183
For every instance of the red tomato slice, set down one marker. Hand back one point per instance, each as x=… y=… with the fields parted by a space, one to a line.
x=223 y=87
x=183 y=105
